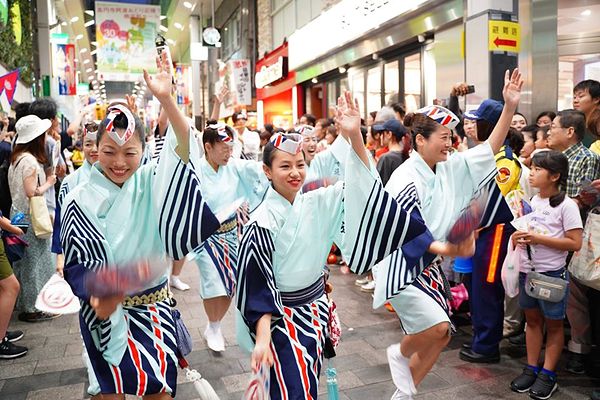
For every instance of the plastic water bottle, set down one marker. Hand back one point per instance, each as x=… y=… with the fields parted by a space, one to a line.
x=332 y=385
x=17 y=218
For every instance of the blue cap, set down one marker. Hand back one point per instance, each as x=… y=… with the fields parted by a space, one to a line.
x=489 y=110
x=392 y=125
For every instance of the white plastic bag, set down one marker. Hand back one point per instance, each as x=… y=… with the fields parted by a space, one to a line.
x=585 y=264
x=510 y=270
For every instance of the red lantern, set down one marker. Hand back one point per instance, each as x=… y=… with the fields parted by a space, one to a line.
x=331 y=259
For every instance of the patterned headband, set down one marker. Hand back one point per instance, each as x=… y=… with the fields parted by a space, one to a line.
x=441 y=115
x=290 y=142
x=221 y=129
x=305 y=130
x=112 y=131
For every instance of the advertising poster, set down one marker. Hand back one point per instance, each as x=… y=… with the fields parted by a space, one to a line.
x=64 y=62
x=182 y=79
x=125 y=34
x=235 y=76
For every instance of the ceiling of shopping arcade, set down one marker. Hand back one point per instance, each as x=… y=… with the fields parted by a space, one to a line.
x=76 y=18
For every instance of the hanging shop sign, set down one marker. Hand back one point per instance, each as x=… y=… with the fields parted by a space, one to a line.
x=64 y=69
x=346 y=21
x=235 y=76
x=125 y=34
x=271 y=73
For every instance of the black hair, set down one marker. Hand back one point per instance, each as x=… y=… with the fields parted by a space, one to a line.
x=518 y=113
x=554 y=162
x=549 y=114
x=211 y=135
x=310 y=119
x=44 y=108
x=22 y=110
x=419 y=124
x=573 y=119
x=589 y=85
x=530 y=131
x=399 y=108
x=545 y=132
x=516 y=141
x=269 y=128
x=121 y=122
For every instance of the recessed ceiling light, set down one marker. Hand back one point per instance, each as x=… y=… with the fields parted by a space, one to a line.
x=79 y=37
x=314 y=80
x=89 y=12
x=89 y=23
x=88 y=70
x=94 y=43
x=163 y=17
x=171 y=42
x=178 y=25
x=163 y=28
x=84 y=50
x=187 y=4
x=64 y=23
x=93 y=52
x=74 y=19
x=86 y=61
x=586 y=12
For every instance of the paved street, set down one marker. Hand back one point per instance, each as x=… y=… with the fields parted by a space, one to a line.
x=53 y=367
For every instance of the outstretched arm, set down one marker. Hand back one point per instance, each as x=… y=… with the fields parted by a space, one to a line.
x=348 y=118
x=161 y=87
x=512 y=95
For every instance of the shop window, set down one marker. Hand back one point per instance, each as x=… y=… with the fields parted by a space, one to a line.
x=231 y=35
x=571 y=71
x=373 y=89
x=412 y=82
x=391 y=81
x=289 y=15
x=357 y=87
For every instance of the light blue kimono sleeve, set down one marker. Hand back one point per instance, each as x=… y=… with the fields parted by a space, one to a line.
x=476 y=164
x=375 y=225
x=253 y=181
x=184 y=219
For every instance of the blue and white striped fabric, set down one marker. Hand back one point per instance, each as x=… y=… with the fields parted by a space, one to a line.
x=158 y=211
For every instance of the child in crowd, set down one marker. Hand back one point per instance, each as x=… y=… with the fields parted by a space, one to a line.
x=554 y=229
x=529 y=135
x=541 y=139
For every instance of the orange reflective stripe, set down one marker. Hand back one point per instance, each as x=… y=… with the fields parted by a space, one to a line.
x=491 y=276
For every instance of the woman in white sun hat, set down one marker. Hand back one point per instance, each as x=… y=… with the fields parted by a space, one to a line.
x=26 y=178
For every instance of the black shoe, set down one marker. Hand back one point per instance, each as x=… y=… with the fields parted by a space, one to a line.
x=543 y=387
x=471 y=356
x=523 y=382
x=595 y=394
x=466 y=346
x=576 y=364
x=518 y=340
x=14 y=336
x=8 y=351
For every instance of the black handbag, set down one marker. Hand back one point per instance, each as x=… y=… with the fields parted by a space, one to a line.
x=14 y=247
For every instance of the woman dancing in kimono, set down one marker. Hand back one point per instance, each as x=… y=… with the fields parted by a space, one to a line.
x=127 y=213
x=436 y=187
x=223 y=180
x=280 y=277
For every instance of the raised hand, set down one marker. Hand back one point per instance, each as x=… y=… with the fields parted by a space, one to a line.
x=348 y=115
x=222 y=95
x=131 y=104
x=512 y=88
x=161 y=83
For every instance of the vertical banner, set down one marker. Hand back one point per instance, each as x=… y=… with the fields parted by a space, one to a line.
x=241 y=86
x=182 y=79
x=8 y=86
x=65 y=69
x=3 y=12
x=125 y=34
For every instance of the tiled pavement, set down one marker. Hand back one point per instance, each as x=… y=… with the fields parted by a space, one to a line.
x=53 y=368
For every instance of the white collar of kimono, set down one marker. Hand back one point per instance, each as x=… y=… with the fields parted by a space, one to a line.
x=290 y=143
x=421 y=166
x=339 y=148
x=113 y=112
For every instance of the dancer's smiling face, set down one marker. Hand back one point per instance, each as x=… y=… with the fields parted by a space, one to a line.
x=286 y=172
x=119 y=163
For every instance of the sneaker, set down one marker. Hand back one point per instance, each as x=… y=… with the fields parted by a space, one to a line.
x=38 y=316
x=214 y=339
x=362 y=281
x=523 y=382
x=9 y=351
x=401 y=375
x=543 y=387
x=576 y=364
x=368 y=287
x=14 y=336
x=178 y=284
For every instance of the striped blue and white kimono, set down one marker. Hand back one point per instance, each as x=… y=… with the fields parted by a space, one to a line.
x=281 y=260
x=439 y=197
x=218 y=257
x=158 y=211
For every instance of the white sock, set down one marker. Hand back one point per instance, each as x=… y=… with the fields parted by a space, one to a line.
x=214 y=326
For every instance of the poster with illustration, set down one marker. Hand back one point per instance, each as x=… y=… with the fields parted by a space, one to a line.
x=64 y=61
x=125 y=34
